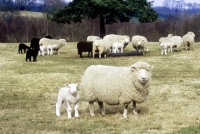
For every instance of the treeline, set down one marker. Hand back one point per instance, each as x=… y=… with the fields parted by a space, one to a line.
x=16 y=28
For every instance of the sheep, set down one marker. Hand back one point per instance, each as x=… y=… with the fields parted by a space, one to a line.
x=164 y=39
x=23 y=47
x=70 y=96
x=84 y=46
x=92 y=38
x=166 y=45
x=100 y=47
x=129 y=84
x=118 y=46
x=31 y=52
x=59 y=43
x=112 y=38
x=178 y=42
x=140 y=43
x=188 y=40
x=42 y=50
x=50 y=49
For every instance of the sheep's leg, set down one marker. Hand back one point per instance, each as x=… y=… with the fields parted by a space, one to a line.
x=134 y=108
x=125 y=110
x=102 y=110
x=69 y=110
x=58 y=109
x=76 y=110
x=121 y=49
x=91 y=107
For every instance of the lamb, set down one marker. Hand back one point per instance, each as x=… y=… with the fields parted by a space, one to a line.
x=50 y=49
x=59 y=43
x=70 y=96
x=166 y=45
x=112 y=38
x=178 y=42
x=31 y=52
x=42 y=50
x=140 y=43
x=118 y=46
x=84 y=46
x=92 y=38
x=188 y=40
x=101 y=47
x=23 y=47
x=129 y=84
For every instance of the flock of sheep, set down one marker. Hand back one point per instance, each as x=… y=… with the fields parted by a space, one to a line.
x=129 y=84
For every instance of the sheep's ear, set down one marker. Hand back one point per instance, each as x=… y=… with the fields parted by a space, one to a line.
x=78 y=84
x=151 y=67
x=134 y=68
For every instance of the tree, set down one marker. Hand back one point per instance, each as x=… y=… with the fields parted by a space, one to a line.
x=108 y=12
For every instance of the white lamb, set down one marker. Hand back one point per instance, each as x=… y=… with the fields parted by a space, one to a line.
x=129 y=84
x=93 y=38
x=166 y=46
x=140 y=43
x=100 y=47
x=50 y=49
x=70 y=96
x=42 y=50
x=118 y=46
x=188 y=40
x=59 y=43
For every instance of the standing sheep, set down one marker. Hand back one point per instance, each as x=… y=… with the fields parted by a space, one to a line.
x=59 y=43
x=129 y=84
x=23 y=47
x=118 y=47
x=164 y=39
x=166 y=46
x=71 y=97
x=84 y=46
x=188 y=40
x=93 y=38
x=140 y=43
x=178 y=41
x=101 y=47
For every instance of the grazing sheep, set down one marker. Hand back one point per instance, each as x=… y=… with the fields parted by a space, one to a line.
x=164 y=46
x=59 y=43
x=188 y=40
x=165 y=39
x=92 y=38
x=140 y=43
x=178 y=42
x=128 y=84
x=22 y=47
x=118 y=46
x=70 y=96
x=84 y=46
x=100 y=47
x=112 y=38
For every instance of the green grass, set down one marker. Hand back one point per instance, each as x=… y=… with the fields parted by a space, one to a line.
x=28 y=93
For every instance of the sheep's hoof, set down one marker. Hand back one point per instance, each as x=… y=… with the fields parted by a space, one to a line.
x=135 y=112
x=92 y=115
x=125 y=116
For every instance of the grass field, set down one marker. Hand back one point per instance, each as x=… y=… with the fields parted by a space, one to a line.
x=28 y=93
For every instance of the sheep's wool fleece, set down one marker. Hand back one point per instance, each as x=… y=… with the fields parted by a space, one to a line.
x=115 y=85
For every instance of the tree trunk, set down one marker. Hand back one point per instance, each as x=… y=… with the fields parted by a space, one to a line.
x=102 y=28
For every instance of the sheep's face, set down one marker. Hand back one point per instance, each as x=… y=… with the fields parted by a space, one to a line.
x=72 y=88
x=140 y=42
x=143 y=75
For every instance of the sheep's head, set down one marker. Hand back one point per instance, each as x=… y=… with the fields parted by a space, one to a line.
x=73 y=88
x=64 y=42
x=142 y=70
x=191 y=33
x=141 y=42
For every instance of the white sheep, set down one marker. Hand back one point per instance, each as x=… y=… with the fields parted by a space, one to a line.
x=188 y=40
x=92 y=38
x=140 y=43
x=129 y=84
x=178 y=42
x=42 y=50
x=118 y=46
x=112 y=38
x=59 y=43
x=70 y=96
x=165 y=39
x=100 y=47
x=166 y=46
x=50 y=49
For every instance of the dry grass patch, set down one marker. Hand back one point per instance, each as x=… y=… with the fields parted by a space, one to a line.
x=28 y=93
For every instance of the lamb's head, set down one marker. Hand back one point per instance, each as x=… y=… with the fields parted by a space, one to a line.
x=73 y=88
x=142 y=70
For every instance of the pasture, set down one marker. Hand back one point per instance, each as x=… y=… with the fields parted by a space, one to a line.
x=28 y=93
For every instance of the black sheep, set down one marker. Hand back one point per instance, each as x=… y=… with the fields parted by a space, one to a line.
x=84 y=46
x=31 y=53
x=22 y=48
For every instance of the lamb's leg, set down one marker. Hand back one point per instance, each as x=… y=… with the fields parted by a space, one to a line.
x=58 y=109
x=102 y=110
x=125 y=110
x=91 y=107
x=69 y=110
x=134 y=108
x=76 y=110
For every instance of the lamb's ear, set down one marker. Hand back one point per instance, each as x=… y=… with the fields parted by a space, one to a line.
x=78 y=84
x=66 y=84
